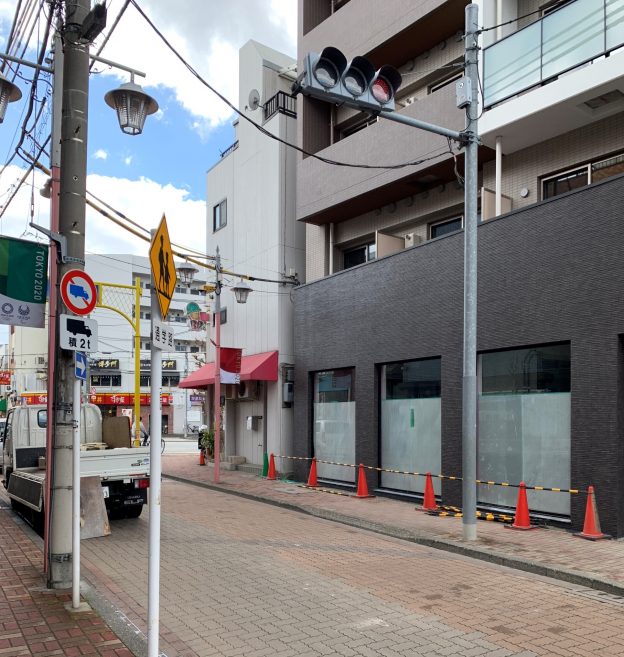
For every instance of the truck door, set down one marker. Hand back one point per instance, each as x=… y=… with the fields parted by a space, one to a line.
x=7 y=444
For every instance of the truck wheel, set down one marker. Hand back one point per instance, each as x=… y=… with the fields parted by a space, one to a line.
x=133 y=511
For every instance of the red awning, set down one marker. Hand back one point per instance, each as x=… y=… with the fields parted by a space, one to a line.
x=259 y=367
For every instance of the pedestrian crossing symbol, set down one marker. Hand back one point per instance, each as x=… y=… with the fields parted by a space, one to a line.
x=164 y=277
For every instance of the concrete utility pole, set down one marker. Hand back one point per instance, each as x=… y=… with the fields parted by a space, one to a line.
x=469 y=405
x=72 y=208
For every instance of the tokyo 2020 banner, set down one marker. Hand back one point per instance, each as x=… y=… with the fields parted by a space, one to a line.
x=23 y=282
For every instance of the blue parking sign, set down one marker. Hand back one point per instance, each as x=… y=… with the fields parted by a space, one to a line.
x=81 y=365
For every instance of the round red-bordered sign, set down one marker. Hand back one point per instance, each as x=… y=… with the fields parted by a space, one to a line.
x=78 y=291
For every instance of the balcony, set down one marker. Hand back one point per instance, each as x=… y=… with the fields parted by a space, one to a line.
x=574 y=35
x=554 y=75
x=281 y=103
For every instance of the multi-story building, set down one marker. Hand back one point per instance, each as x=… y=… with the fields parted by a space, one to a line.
x=251 y=205
x=379 y=323
x=111 y=374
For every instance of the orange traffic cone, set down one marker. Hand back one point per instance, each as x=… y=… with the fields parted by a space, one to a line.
x=312 y=481
x=591 y=526
x=522 y=520
x=202 y=458
x=362 y=487
x=429 y=501
x=271 y=476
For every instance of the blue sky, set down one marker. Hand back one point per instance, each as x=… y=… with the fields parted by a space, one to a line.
x=164 y=169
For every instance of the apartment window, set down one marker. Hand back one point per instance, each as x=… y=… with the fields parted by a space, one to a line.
x=219 y=216
x=582 y=176
x=359 y=255
x=171 y=380
x=444 y=82
x=146 y=379
x=106 y=381
x=549 y=7
x=358 y=125
x=445 y=227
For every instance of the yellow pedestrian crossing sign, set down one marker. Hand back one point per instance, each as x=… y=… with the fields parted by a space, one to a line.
x=164 y=277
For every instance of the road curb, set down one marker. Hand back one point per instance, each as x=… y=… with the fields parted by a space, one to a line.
x=498 y=558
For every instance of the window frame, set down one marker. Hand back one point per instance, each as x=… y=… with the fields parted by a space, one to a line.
x=434 y=224
x=219 y=209
x=367 y=246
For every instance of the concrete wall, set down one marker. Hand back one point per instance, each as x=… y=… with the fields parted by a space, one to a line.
x=543 y=277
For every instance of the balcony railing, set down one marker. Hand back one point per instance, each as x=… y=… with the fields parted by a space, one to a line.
x=565 y=39
x=282 y=103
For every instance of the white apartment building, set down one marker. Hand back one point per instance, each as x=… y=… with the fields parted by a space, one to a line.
x=251 y=206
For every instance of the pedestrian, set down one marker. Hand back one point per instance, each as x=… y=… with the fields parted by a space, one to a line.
x=142 y=432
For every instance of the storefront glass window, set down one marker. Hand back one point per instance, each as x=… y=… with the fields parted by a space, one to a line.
x=524 y=425
x=334 y=423
x=410 y=423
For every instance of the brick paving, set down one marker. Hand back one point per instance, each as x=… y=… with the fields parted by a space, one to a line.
x=554 y=551
x=240 y=577
x=33 y=620
x=246 y=578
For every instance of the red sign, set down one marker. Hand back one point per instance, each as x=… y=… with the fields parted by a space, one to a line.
x=5 y=378
x=78 y=291
x=101 y=399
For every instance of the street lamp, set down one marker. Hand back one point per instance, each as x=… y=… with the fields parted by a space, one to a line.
x=132 y=105
x=9 y=93
x=241 y=291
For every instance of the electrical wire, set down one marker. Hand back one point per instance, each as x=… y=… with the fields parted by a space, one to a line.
x=513 y=20
x=260 y=128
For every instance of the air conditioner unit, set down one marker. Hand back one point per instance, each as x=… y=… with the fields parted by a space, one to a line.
x=248 y=390
x=231 y=391
x=411 y=239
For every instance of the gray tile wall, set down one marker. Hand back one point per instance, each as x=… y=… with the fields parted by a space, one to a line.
x=547 y=273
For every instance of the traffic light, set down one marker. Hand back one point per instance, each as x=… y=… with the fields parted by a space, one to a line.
x=328 y=76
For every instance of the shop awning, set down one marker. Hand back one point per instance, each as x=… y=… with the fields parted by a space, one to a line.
x=258 y=367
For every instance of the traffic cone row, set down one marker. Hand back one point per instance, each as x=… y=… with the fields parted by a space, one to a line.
x=522 y=521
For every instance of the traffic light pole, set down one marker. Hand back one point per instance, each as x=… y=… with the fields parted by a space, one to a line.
x=470 y=138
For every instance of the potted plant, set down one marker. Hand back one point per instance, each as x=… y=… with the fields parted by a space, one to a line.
x=207 y=441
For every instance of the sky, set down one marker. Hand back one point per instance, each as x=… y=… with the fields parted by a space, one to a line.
x=163 y=170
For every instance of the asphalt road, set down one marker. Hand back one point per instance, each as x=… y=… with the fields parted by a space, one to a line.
x=245 y=578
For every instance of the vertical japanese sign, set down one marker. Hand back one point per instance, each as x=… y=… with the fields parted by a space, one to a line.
x=230 y=364
x=23 y=282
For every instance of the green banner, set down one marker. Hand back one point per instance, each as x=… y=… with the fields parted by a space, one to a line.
x=23 y=282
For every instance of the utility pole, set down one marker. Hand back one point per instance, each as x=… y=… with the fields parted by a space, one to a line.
x=469 y=403
x=72 y=226
x=217 y=381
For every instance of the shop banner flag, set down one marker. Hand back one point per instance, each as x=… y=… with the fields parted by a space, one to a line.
x=230 y=365
x=23 y=282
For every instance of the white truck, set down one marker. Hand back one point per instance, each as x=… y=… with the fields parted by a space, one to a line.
x=105 y=452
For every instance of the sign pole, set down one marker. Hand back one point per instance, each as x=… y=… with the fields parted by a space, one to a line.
x=76 y=496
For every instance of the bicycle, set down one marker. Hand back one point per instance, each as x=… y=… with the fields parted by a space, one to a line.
x=146 y=442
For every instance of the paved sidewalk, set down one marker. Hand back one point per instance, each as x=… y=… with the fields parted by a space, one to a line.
x=545 y=551
x=34 y=620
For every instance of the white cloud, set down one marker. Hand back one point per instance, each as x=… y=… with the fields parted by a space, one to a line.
x=144 y=201
x=208 y=35
x=128 y=160
x=100 y=154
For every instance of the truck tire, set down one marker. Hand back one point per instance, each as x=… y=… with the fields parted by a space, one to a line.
x=133 y=511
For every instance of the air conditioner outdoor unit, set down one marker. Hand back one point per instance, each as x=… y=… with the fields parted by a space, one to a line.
x=411 y=239
x=248 y=390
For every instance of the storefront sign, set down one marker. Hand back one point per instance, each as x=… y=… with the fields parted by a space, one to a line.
x=196 y=400
x=5 y=378
x=105 y=364
x=101 y=399
x=23 y=282
x=166 y=364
